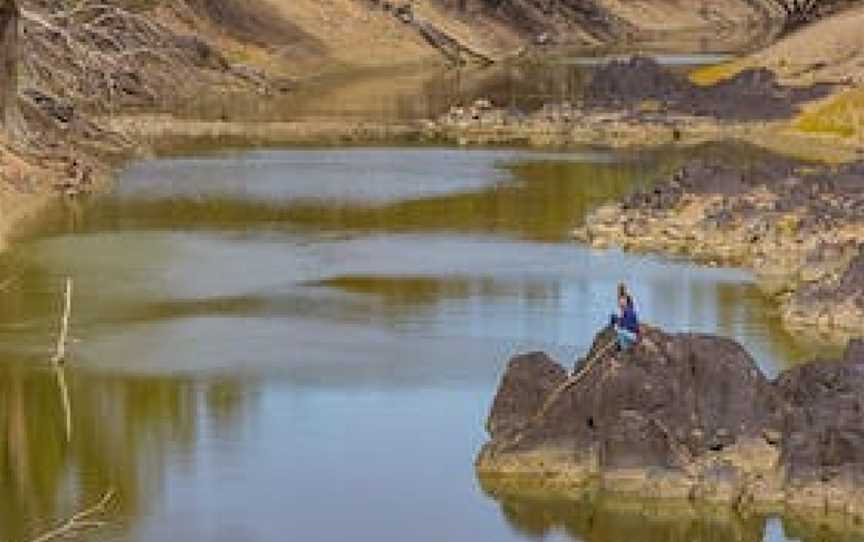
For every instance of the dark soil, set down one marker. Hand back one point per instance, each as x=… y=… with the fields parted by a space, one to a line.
x=753 y=94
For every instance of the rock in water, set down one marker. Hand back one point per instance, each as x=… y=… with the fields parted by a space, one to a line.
x=680 y=415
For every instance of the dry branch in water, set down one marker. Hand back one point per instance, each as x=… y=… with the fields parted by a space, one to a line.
x=81 y=521
x=60 y=357
x=63 y=337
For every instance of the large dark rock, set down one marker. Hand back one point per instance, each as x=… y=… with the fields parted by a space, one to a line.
x=823 y=432
x=669 y=400
x=529 y=379
x=695 y=407
x=855 y=352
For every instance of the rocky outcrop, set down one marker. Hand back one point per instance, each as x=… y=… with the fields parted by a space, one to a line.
x=837 y=301
x=799 y=226
x=680 y=416
x=753 y=94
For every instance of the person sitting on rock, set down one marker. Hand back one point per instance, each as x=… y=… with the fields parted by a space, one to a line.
x=626 y=323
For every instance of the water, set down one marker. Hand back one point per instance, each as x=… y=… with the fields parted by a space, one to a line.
x=411 y=93
x=303 y=344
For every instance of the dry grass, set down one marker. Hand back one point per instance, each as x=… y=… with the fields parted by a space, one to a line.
x=831 y=51
x=841 y=115
x=353 y=35
x=711 y=75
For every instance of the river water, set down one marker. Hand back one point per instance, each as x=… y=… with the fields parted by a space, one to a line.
x=303 y=344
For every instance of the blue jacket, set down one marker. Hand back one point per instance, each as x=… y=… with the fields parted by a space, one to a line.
x=628 y=320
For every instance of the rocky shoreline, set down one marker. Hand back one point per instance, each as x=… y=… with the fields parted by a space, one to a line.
x=799 y=227
x=681 y=417
x=637 y=102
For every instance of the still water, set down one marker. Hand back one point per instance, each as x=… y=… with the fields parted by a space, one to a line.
x=410 y=93
x=303 y=345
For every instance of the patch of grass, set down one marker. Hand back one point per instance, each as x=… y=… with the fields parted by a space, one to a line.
x=843 y=115
x=711 y=75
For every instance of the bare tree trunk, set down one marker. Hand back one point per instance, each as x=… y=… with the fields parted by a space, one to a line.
x=9 y=15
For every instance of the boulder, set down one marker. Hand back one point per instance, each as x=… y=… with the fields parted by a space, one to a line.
x=855 y=352
x=679 y=415
x=664 y=404
x=529 y=379
x=823 y=429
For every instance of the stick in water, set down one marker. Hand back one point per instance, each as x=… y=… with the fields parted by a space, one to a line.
x=60 y=355
x=81 y=521
x=60 y=374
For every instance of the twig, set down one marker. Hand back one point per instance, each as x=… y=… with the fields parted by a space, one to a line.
x=7 y=283
x=60 y=354
x=80 y=521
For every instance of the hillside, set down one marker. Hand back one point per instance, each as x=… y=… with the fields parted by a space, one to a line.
x=829 y=51
x=328 y=35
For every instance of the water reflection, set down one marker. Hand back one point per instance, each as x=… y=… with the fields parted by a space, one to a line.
x=600 y=517
x=123 y=430
x=421 y=92
x=603 y=518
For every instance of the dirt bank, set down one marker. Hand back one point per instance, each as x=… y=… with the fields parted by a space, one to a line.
x=799 y=226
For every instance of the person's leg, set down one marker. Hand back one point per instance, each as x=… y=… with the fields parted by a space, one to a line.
x=626 y=338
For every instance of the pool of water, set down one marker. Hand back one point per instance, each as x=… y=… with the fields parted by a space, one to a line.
x=409 y=93
x=303 y=344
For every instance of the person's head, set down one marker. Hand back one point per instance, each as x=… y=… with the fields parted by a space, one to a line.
x=624 y=299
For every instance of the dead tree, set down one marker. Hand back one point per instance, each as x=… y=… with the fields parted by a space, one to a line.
x=9 y=15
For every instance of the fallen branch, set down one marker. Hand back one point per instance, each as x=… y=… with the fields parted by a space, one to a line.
x=80 y=521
